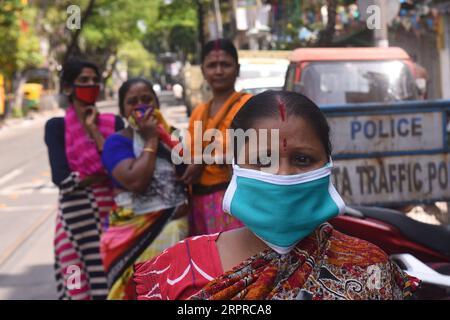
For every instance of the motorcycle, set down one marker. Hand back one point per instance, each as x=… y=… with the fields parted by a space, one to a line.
x=421 y=250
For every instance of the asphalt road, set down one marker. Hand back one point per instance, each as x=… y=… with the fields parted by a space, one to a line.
x=28 y=203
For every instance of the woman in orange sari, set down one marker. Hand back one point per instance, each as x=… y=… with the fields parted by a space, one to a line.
x=220 y=67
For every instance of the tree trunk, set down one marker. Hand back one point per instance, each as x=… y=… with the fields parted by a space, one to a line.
x=108 y=74
x=73 y=47
x=326 y=35
x=19 y=81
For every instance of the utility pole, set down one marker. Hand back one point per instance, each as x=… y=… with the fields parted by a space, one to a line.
x=234 y=31
x=218 y=19
x=201 y=31
x=381 y=34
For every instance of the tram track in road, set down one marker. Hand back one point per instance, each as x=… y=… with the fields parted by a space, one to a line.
x=26 y=203
x=24 y=236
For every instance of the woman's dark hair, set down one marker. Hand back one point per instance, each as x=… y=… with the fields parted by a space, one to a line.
x=220 y=44
x=127 y=85
x=266 y=105
x=73 y=68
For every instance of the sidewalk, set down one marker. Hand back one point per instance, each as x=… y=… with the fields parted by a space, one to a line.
x=13 y=126
x=41 y=116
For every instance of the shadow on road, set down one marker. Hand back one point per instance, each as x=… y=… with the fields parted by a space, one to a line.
x=36 y=283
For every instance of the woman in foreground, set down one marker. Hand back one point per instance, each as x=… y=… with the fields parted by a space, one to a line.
x=286 y=250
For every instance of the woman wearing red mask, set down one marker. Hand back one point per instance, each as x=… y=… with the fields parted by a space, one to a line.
x=75 y=143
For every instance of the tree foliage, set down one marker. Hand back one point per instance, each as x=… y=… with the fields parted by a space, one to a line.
x=175 y=29
x=140 y=62
x=20 y=44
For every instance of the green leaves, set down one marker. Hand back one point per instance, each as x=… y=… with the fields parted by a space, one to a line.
x=139 y=61
x=20 y=44
x=175 y=29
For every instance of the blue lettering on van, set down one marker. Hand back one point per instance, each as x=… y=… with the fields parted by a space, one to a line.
x=392 y=128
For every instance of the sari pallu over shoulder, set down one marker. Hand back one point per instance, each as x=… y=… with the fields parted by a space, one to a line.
x=81 y=150
x=214 y=174
x=327 y=265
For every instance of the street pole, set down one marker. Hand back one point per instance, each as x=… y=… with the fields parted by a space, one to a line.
x=381 y=34
x=234 y=31
x=218 y=19
x=201 y=31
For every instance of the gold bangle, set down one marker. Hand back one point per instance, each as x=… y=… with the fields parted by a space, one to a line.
x=151 y=150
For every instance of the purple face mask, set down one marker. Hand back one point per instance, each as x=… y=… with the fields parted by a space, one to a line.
x=141 y=109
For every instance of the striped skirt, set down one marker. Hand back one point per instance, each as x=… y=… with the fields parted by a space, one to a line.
x=81 y=218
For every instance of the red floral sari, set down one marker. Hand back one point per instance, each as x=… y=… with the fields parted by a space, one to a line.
x=325 y=265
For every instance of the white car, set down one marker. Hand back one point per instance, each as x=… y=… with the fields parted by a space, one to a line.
x=261 y=74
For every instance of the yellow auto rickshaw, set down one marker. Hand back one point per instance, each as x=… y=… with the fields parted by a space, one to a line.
x=32 y=96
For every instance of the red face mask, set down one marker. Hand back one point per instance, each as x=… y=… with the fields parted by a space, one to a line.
x=87 y=94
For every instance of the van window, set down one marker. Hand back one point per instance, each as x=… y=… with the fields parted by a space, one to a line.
x=357 y=82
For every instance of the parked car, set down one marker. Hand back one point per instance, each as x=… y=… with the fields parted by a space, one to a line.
x=260 y=73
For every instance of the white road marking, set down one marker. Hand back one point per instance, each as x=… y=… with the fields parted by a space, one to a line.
x=25 y=208
x=38 y=186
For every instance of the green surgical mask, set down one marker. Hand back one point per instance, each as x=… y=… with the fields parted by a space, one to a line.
x=282 y=209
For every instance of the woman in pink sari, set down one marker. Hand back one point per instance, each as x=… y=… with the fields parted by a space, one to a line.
x=75 y=144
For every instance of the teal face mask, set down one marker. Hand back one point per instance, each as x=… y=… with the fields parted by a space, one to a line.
x=282 y=209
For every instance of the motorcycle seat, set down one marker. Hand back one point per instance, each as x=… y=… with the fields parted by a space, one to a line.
x=432 y=236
